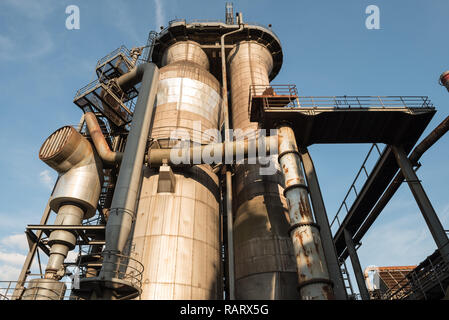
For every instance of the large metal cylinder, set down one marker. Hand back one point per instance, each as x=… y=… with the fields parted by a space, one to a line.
x=74 y=197
x=176 y=234
x=79 y=166
x=44 y=289
x=265 y=266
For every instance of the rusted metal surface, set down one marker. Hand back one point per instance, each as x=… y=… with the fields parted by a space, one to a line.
x=313 y=276
x=321 y=218
x=264 y=261
x=109 y=157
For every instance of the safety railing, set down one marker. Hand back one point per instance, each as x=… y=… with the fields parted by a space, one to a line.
x=148 y=50
x=7 y=290
x=205 y=21
x=274 y=90
x=432 y=272
x=121 y=50
x=114 y=104
x=125 y=268
x=364 y=102
x=336 y=221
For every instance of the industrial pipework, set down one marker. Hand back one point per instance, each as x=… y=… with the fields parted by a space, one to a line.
x=176 y=233
x=75 y=198
x=228 y=174
x=313 y=276
x=122 y=213
x=108 y=157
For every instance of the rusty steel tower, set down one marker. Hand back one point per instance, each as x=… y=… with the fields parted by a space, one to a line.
x=222 y=223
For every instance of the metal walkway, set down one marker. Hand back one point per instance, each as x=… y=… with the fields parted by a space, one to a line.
x=397 y=120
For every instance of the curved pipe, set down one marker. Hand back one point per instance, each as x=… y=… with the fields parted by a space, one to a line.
x=109 y=157
x=368 y=283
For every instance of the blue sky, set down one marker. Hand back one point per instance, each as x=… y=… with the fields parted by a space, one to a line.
x=327 y=51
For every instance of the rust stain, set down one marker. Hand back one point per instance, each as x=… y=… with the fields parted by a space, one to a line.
x=304 y=208
x=317 y=247
x=303 y=250
x=328 y=292
x=289 y=182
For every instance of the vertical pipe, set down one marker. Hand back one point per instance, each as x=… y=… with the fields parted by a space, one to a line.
x=424 y=204
x=62 y=241
x=313 y=276
x=325 y=231
x=123 y=204
x=356 y=266
x=230 y=223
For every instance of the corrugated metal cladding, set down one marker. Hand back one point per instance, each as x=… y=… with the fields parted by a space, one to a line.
x=264 y=262
x=176 y=235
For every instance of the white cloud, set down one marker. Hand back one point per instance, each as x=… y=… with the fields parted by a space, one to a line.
x=47 y=178
x=402 y=241
x=12 y=258
x=9 y=273
x=16 y=241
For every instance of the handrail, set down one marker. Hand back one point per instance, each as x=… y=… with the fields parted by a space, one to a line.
x=420 y=279
x=352 y=187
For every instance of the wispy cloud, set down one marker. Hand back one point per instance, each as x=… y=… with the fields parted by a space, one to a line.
x=14 y=258
x=32 y=9
x=13 y=249
x=26 y=37
x=47 y=178
x=120 y=18
x=160 y=17
x=9 y=273
x=15 y=241
x=400 y=241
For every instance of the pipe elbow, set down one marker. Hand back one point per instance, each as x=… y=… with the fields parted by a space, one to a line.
x=107 y=156
x=134 y=76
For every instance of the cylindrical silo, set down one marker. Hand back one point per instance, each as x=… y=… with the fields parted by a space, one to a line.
x=264 y=262
x=176 y=234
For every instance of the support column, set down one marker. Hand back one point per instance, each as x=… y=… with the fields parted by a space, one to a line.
x=20 y=285
x=313 y=276
x=427 y=210
x=358 y=272
x=325 y=231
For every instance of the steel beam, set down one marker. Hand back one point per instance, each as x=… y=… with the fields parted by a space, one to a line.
x=424 y=204
x=19 y=289
x=357 y=268
x=321 y=218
